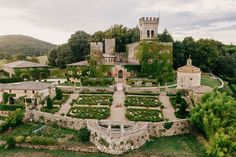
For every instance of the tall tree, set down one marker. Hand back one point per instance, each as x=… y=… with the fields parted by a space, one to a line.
x=165 y=36
x=79 y=44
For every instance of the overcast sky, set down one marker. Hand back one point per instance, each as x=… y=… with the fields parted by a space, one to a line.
x=55 y=20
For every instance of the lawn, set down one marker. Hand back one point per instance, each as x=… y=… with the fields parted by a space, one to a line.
x=95 y=99
x=174 y=146
x=89 y=112
x=149 y=115
x=208 y=81
x=142 y=101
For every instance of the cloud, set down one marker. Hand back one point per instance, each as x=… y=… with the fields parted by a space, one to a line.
x=55 y=20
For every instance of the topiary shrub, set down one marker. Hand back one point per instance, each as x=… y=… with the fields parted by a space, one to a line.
x=84 y=135
x=19 y=139
x=49 y=103
x=28 y=139
x=58 y=94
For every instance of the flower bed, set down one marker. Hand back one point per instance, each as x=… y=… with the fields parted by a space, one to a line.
x=89 y=112
x=95 y=99
x=144 y=115
x=142 y=101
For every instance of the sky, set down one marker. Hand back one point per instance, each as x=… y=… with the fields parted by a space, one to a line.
x=55 y=20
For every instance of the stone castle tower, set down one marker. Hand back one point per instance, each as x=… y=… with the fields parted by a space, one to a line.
x=148 y=27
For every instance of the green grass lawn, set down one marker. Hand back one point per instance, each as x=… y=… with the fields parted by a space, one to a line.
x=180 y=145
x=208 y=81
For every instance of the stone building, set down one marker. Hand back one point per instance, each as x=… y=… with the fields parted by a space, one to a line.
x=28 y=90
x=148 y=27
x=188 y=76
x=10 y=68
x=110 y=46
x=96 y=46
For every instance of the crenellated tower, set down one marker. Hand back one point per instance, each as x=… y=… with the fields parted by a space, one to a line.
x=148 y=27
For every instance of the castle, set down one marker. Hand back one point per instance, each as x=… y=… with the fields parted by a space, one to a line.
x=148 y=27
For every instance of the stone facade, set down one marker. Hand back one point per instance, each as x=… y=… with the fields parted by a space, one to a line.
x=148 y=27
x=114 y=141
x=110 y=46
x=96 y=46
x=67 y=122
x=132 y=50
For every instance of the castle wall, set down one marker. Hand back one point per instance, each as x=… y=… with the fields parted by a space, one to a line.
x=110 y=46
x=132 y=50
x=96 y=46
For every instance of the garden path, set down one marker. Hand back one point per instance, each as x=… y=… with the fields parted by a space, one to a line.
x=66 y=106
x=168 y=110
x=117 y=108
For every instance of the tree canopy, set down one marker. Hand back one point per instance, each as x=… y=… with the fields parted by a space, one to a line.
x=165 y=36
x=215 y=117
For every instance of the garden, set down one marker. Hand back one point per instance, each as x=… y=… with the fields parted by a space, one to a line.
x=53 y=105
x=97 y=81
x=40 y=134
x=180 y=105
x=149 y=115
x=144 y=101
x=89 y=112
x=91 y=99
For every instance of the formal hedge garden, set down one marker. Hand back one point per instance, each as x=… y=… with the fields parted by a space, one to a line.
x=98 y=81
x=4 y=107
x=180 y=105
x=11 y=80
x=95 y=99
x=62 y=101
x=148 y=115
x=142 y=101
x=53 y=110
x=89 y=112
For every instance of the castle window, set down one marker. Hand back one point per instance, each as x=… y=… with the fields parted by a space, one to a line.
x=25 y=91
x=191 y=79
x=33 y=91
x=148 y=33
x=9 y=91
x=152 y=34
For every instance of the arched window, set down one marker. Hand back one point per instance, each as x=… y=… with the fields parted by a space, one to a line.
x=152 y=34
x=148 y=33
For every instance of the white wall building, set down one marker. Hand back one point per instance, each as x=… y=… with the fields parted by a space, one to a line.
x=188 y=76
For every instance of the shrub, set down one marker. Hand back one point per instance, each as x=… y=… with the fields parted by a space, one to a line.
x=84 y=135
x=28 y=139
x=11 y=142
x=11 y=80
x=15 y=118
x=10 y=107
x=168 y=125
x=49 y=103
x=178 y=97
x=40 y=140
x=58 y=94
x=19 y=139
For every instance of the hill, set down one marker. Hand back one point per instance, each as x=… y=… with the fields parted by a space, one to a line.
x=20 y=44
